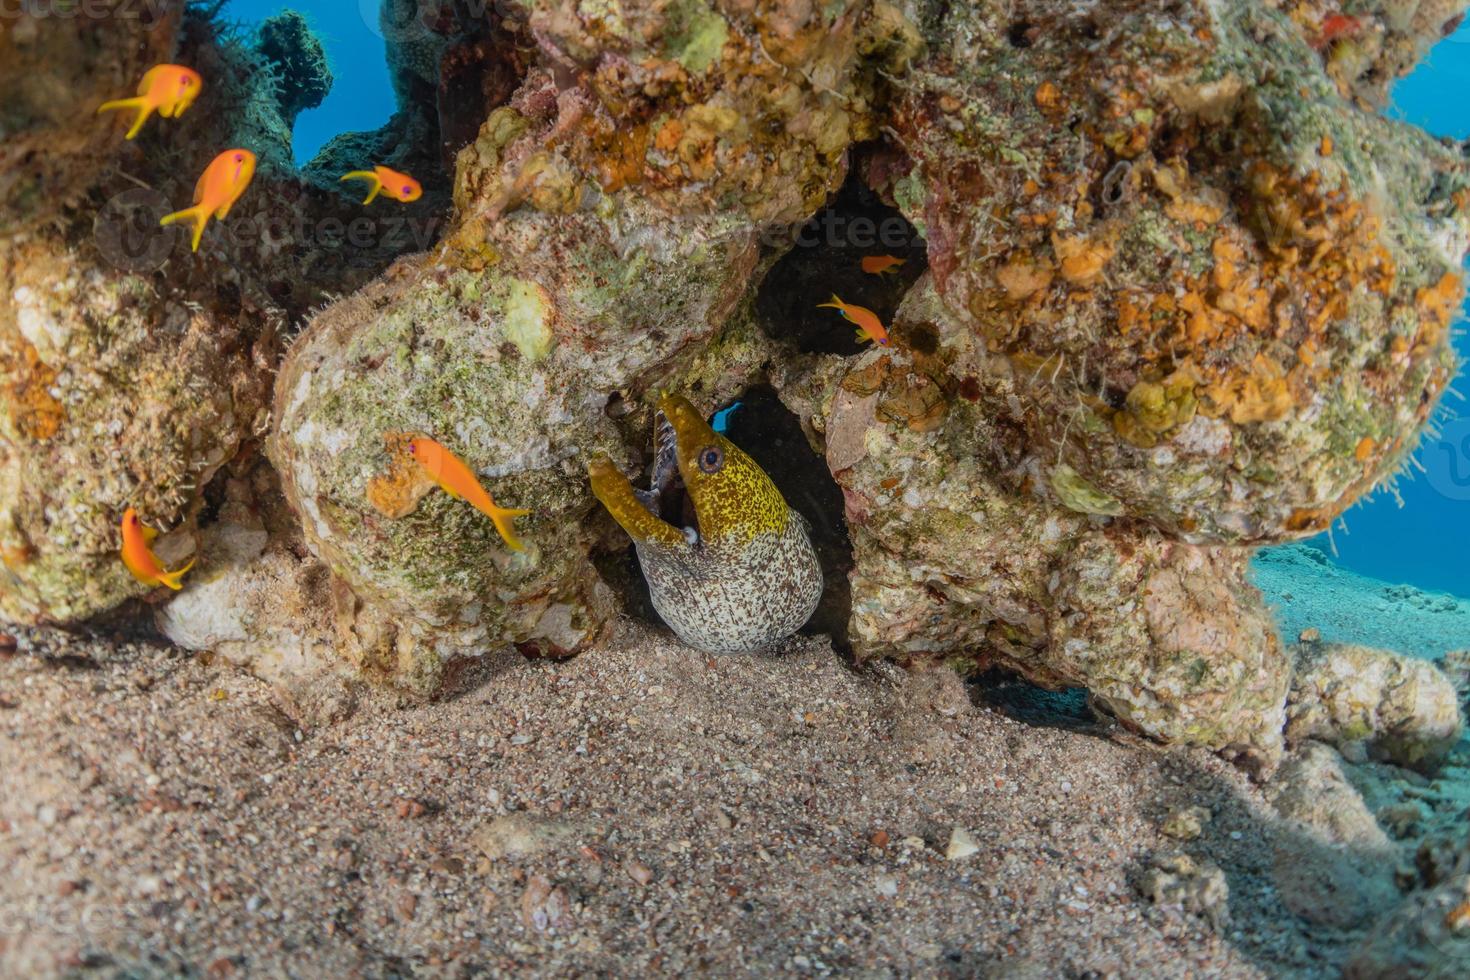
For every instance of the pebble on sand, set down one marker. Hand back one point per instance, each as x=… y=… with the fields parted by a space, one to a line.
x=961 y=844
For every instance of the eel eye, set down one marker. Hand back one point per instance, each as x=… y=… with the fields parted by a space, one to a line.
x=711 y=458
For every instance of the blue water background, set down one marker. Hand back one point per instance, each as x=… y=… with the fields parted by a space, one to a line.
x=1426 y=542
x=361 y=98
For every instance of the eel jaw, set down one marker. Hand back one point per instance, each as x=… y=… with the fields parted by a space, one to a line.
x=612 y=488
x=665 y=480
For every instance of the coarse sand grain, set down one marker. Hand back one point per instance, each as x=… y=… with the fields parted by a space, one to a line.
x=642 y=809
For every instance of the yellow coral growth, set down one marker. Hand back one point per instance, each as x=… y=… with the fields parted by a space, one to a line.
x=1082 y=259
x=1262 y=395
x=398 y=492
x=32 y=410
x=1154 y=407
x=1437 y=306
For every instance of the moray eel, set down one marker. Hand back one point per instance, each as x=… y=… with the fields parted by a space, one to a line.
x=741 y=573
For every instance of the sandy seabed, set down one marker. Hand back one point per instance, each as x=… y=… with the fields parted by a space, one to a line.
x=640 y=809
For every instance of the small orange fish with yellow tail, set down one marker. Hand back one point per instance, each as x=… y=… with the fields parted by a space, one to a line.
x=165 y=89
x=389 y=183
x=877 y=265
x=867 y=322
x=140 y=559
x=219 y=187
x=459 y=481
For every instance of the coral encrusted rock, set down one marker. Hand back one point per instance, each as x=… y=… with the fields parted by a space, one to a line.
x=113 y=393
x=1222 y=290
x=605 y=234
x=967 y=550
x=1405 y=710
x=471 y=361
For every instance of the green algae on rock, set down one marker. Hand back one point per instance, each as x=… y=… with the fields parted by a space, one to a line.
x=1223 y=289
x=114 y=395
x=434 y=351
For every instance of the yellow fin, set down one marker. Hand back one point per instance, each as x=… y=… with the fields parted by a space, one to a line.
x=175 y=579
x=141 y=104
x=197 y=215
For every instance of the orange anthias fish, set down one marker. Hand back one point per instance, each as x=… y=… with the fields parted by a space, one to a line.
x=219 y=187
x=141 y=560
x=458 y=480
x=878 y=264
x=165 y=89
x=868 y=324
x=390 y=183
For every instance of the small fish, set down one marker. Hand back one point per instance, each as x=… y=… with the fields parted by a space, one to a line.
x=165 y=89
x=458 y=480
x=391 y=183
x=140 y=559
x=219 y=187
x=877 y=265
x=868 y=324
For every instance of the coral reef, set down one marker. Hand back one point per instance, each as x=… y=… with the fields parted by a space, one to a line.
x=1222 y=290
x=606 y=232
x=1366 y=45
x=115 y=394
x=961 y=553
x=298 y=60
x=1187 y=293
x=133 y=369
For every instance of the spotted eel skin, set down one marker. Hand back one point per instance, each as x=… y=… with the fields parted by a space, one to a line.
x=747 y=576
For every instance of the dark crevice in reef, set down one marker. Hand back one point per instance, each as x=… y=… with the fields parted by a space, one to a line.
x=764 y=428
x=1013 y=696
x=826 y=259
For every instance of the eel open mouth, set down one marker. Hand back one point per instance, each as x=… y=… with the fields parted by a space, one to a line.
x=667 y=498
